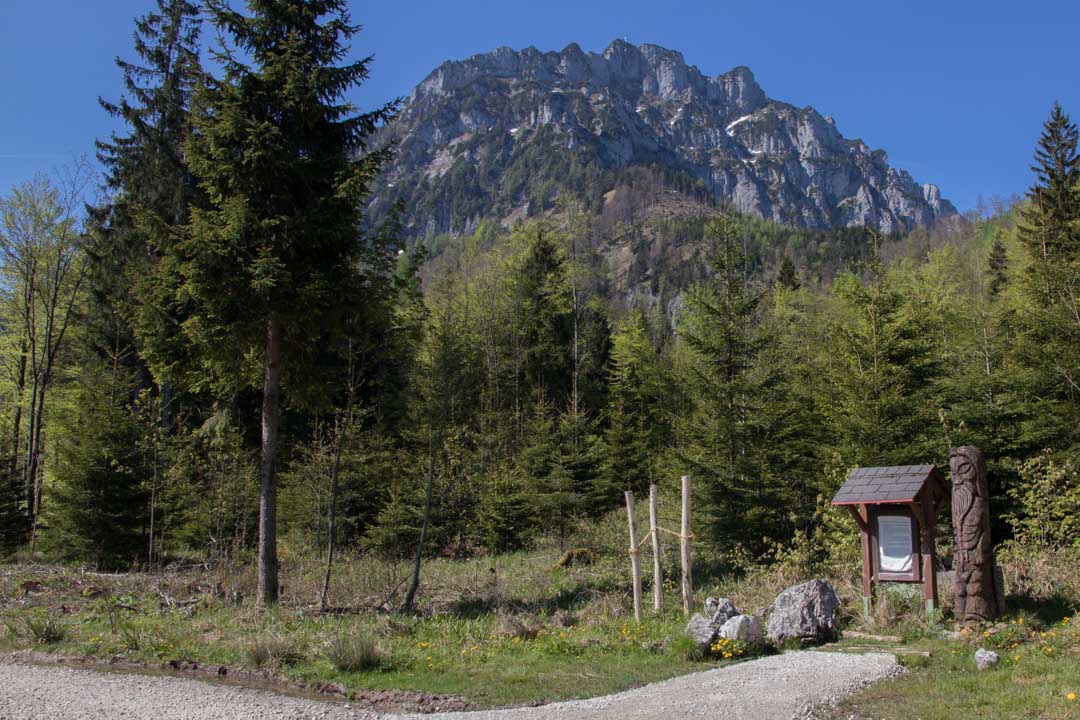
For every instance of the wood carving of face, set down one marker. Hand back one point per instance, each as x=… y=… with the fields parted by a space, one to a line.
x=963 y=468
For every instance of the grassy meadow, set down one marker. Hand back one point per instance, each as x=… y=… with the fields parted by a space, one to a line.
x=527 y=627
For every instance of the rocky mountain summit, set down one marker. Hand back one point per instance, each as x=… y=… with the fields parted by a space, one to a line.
x=498 y=134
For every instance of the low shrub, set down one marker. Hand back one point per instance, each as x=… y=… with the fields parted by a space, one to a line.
x=273 y=650
x=355 y=652
x=39 y=629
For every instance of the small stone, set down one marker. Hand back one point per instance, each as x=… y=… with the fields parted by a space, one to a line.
x=985 y=659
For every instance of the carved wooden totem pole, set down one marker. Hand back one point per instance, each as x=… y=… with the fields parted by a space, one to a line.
x=973 y=557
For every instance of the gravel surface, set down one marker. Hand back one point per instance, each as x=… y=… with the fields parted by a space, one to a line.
x=781 y=686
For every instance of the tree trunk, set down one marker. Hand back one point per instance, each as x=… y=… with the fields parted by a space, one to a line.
x=271 y=419
x=34 y=481
x=29 y=478
x=16 y=426
x=410 y=597
x=334 y=474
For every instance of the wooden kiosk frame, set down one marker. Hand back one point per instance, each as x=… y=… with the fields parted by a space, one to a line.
x=879 y=496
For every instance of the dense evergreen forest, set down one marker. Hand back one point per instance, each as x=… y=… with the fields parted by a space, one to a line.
x=223 y=350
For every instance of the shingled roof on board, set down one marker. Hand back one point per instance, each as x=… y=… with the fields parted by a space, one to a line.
x=900 y=483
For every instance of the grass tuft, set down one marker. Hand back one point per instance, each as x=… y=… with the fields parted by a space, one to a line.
x=355 y=652
x=39 y=629
x=272 y=650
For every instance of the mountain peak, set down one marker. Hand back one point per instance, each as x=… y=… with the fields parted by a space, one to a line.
x=497 y=125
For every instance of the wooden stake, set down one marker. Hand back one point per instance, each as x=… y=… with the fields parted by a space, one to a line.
x=687 y=581
x=654 y=530
x=634 y=564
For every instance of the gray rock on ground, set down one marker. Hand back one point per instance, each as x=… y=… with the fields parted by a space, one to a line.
x=985 y=659
x=704 y=629
x=717 y=606
x=809 y=612
x=746 y=628
x=701 y=631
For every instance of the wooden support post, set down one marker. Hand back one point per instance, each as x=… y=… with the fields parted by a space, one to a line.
x=862 y=519
x=635 y=565
x=654 y=531
x=687 y=580
x=926 y=527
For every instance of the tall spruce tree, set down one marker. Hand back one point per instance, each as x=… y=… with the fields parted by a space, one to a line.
x=270 y=273
x=544 y=311
x=1049 y=345
x=146 y=177
x=881 y=396
x=1049 y=229
x=998 y=264
x=725 y=440
x=638 y=421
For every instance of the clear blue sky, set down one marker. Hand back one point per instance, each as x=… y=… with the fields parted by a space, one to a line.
x=954 y=90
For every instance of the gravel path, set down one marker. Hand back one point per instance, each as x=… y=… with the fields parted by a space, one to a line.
x=781 y=686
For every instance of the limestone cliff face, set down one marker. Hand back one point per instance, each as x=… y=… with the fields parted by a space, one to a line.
x=497 y=134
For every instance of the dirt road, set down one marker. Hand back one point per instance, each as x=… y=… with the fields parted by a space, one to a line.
x=781 y=686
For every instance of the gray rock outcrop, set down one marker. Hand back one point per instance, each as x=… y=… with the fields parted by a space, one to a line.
x=809 y=612
x=473 y=122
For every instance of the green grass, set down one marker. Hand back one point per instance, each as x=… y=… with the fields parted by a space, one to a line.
x=443 y=654
x=1034 y=678
x=580 y=639
x=518 y=628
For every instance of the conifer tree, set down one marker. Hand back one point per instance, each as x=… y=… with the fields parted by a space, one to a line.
x=272 y=270
x=638 y=424
x=1049 y=228
x=999 y=268
x=881 y=395
x=98 y=510
x=725 y=439
x=788 y=277
x=1049 y=344
x=544 y=312
x=507 y=513
x=146 y=177
x=12 y=517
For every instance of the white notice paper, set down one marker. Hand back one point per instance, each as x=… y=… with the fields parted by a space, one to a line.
x=894 y=543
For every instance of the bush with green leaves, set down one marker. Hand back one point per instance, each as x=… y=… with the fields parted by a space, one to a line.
x=1048 y=502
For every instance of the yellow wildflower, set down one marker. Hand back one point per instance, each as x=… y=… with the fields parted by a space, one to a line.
x=1071 y=697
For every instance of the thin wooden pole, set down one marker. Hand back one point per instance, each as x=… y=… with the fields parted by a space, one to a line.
x=684 y=543
x=862 y=518
x=634 y=564
x=654 y=531
x=926 y=526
